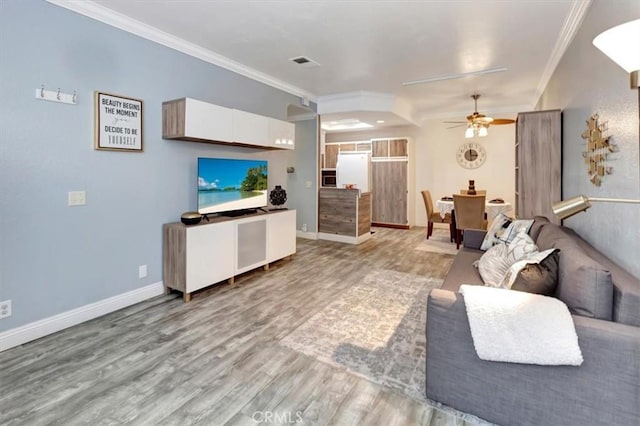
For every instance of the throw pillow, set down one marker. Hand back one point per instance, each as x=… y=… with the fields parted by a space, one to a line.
x=503 y=228
x=516 y=227
x=539 y=278
x=494 y=264
x=495 y=231
x=521 y=246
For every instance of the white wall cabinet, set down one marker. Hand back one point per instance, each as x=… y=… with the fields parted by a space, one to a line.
x=250 y=129
x=200 y=255
x=193 y=120
x=190 y=119
x=282 y=134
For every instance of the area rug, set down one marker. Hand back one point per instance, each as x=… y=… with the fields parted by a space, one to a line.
x=438 y=242
x=374 y=329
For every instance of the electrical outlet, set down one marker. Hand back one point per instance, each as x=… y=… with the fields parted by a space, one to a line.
x=5 y=309
x=142 y=271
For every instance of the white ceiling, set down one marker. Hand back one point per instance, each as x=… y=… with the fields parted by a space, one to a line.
x=373 y=46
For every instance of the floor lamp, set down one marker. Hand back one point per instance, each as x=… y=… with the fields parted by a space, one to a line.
x=622 y=45
x=575 y=205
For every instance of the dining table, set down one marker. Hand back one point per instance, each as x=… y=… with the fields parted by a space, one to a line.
x=492 y=208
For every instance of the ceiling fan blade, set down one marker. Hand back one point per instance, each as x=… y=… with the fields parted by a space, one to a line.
x=463 y=122
x=484 y=120
x=457 y=125
x=500 y=121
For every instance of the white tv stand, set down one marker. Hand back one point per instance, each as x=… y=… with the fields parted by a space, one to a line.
x=196 y=256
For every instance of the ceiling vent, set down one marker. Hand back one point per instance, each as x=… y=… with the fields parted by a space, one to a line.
x=305 y=62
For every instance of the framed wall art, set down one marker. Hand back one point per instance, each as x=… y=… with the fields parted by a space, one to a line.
x=118 y=123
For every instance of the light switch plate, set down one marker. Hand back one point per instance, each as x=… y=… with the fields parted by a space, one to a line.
x=77 y=198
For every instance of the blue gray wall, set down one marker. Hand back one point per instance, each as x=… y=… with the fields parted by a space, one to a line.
x=587 y=82
x=306 y=156
x=54 y=258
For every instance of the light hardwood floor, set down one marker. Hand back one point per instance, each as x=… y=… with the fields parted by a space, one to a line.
x=217 y=360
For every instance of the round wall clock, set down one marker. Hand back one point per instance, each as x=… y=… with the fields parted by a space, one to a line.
x=471 y=155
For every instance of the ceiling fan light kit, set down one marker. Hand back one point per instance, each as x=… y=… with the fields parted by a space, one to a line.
x=480 y=130
x=478 y=124
x=469 y=132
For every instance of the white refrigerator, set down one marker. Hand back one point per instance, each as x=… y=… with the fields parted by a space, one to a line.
x=354 y=168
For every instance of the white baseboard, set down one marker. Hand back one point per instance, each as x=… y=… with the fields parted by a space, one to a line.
x=344 y=238
x=35 y=330
x=307 y=235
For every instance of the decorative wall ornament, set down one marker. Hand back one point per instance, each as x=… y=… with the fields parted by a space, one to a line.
x=598 y=148
x=118 y=123
x=471 y=155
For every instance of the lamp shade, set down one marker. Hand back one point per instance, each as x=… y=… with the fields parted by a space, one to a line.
x=622 y=45
x=483 y=132
x=469 y=132
x=568 y=208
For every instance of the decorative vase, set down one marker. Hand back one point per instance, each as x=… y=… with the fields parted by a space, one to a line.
x=278 y=196
x=472 y=188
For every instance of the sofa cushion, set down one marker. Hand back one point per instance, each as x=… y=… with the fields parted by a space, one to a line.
x=539 y=278
x=462 y=270
x=626 y=287
x=538 y=223
x=583 y=284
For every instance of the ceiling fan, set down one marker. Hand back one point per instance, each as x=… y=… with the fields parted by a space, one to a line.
x=477 y=124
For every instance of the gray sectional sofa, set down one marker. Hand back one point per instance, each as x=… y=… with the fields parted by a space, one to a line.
x=605 y=303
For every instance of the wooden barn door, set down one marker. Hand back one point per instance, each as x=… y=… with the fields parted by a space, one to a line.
x=389 y=193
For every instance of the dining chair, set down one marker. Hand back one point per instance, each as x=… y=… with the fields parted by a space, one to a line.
x=469 y=214
x=434 y=216
x=478 y=192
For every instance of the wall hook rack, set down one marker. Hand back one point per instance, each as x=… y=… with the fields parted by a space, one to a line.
x=56 y=96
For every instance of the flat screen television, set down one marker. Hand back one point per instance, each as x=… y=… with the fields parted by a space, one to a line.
x=231 y=185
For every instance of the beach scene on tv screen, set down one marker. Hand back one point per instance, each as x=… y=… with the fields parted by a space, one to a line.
x=225 y=184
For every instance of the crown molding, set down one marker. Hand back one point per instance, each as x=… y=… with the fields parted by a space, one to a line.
x=568 y=31
x=118 y=20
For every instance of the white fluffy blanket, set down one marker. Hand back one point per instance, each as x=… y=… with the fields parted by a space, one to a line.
x=525 y=328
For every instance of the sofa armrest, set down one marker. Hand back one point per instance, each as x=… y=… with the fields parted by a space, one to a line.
x=473 y=238
x=605 y=386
